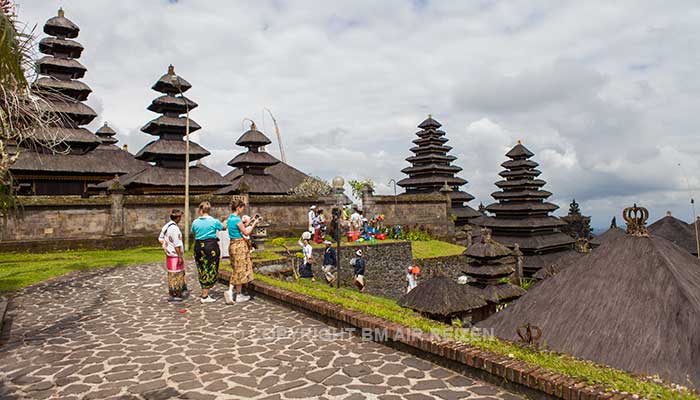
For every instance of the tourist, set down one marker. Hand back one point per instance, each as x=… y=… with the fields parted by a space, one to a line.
x=241 y=264
x=319 y=225
x=412 y=276
x=246 y=221
x=329 y=262
x=305 y=271
x=206 y=249
x=171 y=240
x=355 y=220
x=312 y=216
x=359 y=271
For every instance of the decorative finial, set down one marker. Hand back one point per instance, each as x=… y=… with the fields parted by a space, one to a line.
x=253 y=127
x=485 y=235
x=125 y=147
x=430 y=115
x=613 y=223
x=171 y=70
x=519 y=141
x=636 y=218
x=668 y=214
x=61 y=13
x=105 y=124
x=445 y=188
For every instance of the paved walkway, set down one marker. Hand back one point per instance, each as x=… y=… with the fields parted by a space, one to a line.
x=111 y=334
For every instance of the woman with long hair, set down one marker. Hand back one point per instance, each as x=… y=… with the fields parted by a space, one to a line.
x=206 y=249
x=241 y=264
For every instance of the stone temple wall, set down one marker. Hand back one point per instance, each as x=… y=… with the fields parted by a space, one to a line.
x=424 y=212
x=117 y=220
x=385 y=274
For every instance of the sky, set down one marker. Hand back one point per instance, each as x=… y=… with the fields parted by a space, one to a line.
x=605 y=93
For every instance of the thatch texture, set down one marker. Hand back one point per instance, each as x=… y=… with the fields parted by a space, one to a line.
x=105 y=160
x=611 y=234
x=255 y=184
x=441 y=296
x=675 y=230
x=61 y=26
x=200 y=176
x=633 y=304
x=66 y=47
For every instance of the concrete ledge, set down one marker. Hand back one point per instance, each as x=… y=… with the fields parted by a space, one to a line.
x=110 y=243
x=495 y=368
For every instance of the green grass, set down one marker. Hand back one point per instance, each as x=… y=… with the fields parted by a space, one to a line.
x=421 y=249
x=563 y=364
x=435 y=248
x=18 y=270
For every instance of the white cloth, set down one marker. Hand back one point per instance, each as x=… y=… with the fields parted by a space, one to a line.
x=312 y=216
x=411 y=282
x=356 y=219
x=307 y=250
x=171 y=238
x=224 y=241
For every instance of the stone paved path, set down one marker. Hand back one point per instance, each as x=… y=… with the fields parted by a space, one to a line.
x=111 y=334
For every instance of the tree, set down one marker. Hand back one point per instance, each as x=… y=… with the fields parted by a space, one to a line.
x=312 y=187
x=22 y=113
x=357 y=187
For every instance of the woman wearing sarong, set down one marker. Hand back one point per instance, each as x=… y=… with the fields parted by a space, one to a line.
x=241 y=264
x=171 y=240
x=206 y=249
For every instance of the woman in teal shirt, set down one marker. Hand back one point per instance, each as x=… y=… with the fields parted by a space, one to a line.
x=239 y=252
x=206 y=249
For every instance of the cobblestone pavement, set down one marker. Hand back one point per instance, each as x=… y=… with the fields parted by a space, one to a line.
x=111 y=334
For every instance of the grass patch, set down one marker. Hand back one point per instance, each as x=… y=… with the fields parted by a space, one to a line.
x=18 y=270
x=435 y=248
x=563 y=364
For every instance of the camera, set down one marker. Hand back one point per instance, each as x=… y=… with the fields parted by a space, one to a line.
x=256 y=216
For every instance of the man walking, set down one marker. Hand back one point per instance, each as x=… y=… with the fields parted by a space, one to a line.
x=329 y=262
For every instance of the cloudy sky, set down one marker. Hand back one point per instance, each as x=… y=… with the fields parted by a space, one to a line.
x=606 y=94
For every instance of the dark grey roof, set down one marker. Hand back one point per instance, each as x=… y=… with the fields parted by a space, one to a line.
x=79 y=113
x=519 y=151
x=162 y=149
x=170 y=103
x=61 y=26
x=105 y=160
x=200 y=176
x=171 y=83
x=166 y=124
x=52 y=45
x=74 y=89
x=429 y=123
x=675 y=230
x=253 y=138
x=256 y=184
x=443 y=297
x=49 y=65
x=633 y=304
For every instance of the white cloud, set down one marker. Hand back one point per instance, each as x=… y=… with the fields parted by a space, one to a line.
x=605 y=93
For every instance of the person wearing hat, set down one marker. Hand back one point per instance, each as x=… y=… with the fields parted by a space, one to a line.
x=359 y=264
x=329 y=262
x=305 y=270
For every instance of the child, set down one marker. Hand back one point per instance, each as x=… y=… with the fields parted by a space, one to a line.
x=412 y=276
x=305 y=270
x=359 y=271
x=246 y=221
x=171 y=239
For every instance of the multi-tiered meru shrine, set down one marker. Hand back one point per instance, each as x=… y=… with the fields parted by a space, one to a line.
x=252 y=167
x=431 y=170
x=166 y=174
x=522 y=216
x=63 y=159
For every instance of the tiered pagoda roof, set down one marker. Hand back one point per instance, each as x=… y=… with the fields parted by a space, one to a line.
x=431 y=169
x=578 y=226
x=253 y=164
x=489 y=262
x=71 y=164
x=167 y=153
x=522 y=216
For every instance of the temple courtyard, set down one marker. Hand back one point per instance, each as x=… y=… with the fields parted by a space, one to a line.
x=109 y=333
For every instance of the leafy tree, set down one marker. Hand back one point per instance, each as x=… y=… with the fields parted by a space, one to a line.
x=312 y=187
x=358 y=185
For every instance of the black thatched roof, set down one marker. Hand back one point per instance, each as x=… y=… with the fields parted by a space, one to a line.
x=548 y=265
x=73 y=89
x=501 y=293
x=170 y=150
x=105 y=160
x=633 y=304
x=106 y=134
x=58 y=46
x=61 y=26
x=442 y=296
x=71 y=67
x=677 y=231
x=200 y=176
x=170 y=83
x=612 y=233
x=255 y=184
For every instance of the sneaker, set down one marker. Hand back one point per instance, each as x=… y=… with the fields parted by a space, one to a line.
x=174 y=299
x=240 y=298
x=228 y=297
x=207 y=299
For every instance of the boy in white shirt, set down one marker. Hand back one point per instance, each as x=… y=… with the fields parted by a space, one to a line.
x=305 y=270
x=171 y=239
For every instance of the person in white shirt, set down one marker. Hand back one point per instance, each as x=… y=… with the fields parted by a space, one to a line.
x=312 y=217
x=171 y=239
x=305 y=270
x=355 y=220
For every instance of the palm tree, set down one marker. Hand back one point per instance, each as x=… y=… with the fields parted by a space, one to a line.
x=20 y=110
